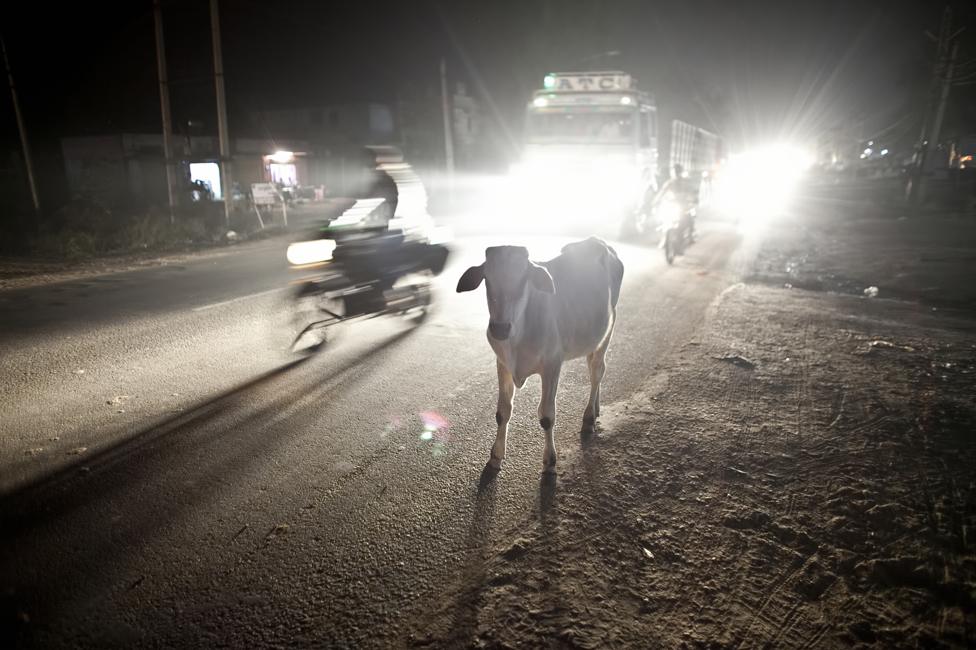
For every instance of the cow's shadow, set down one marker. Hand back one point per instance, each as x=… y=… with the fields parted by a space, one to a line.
x=474 y=574
x=547 y=497
x=487 y=478
x=590 y=436
x=547 y=488
x=548 y=482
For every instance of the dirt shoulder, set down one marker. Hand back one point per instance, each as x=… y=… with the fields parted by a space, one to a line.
x=802 y=474
x=827 y=246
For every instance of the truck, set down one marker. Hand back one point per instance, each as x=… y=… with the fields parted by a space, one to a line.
x=590 y=147
x=592 y=151
x=697 y=150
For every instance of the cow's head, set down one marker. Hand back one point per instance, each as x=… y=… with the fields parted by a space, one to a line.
x=508 y=276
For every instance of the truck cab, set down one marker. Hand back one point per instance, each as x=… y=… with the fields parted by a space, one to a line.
x=590 y=145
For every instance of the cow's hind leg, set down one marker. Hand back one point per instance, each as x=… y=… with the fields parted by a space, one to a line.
x=547 y=415
x=506 y=393
x=597 y=362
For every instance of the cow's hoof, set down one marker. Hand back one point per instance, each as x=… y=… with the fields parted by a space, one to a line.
x=494 y=463
x=589 y=426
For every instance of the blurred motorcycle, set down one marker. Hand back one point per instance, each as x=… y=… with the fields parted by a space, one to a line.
x=377 y=258
x=360 y=275
x=675 y=225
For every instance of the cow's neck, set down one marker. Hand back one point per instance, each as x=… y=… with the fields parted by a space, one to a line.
x=523 y=351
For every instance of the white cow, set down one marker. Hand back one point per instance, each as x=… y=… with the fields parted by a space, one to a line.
x=541 y=315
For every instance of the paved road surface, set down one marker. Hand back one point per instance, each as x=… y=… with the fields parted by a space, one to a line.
x=171 y=476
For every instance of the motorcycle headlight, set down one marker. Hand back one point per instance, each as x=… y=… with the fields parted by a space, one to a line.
x=304 y=253
x=669 y=210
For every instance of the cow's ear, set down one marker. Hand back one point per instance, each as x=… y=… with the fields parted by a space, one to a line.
x=540 y=279
x=471 y=278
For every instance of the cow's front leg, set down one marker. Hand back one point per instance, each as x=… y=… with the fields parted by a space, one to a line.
x=547 y=414
x=503 y=413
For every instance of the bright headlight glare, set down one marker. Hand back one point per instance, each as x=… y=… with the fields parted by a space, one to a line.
x=669 y=210
x=562 y=192
x=439 y=235
x=759 y=184
x=310 y=252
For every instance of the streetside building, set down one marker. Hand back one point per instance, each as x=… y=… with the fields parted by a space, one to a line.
x=128 y=170
x=336 y=134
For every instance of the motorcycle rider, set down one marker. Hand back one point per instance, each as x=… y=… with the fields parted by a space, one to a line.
x=379 y=250
x=685 y=192
x=381 y=183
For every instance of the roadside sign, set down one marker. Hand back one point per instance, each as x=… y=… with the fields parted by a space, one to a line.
x=264 y=193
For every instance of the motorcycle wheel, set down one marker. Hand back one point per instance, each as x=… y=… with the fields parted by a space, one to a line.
x=670 y=246
x=420 y=306
x=308 y=306
x=420 y=313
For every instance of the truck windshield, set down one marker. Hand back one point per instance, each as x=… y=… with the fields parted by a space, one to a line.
x=581 y=127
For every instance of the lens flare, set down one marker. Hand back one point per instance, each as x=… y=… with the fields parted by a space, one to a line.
x=434 y=420
x=435 y=428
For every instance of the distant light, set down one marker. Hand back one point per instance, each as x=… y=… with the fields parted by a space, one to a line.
x=884 y=152
x=868 y=151
x=549 y=81
x=282 y=156
x=758 y=185
x=863 y=156
x=626 y=101
x=539 y=102
x=870 y=143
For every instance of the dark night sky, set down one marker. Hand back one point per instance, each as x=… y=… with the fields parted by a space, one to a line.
x=749 y=68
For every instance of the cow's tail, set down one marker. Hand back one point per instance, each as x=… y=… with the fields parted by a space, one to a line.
x=616 y=269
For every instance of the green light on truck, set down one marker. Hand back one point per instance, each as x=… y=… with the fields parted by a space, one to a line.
x=549 y=81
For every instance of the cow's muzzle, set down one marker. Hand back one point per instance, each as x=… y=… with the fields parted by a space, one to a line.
x=499 y=331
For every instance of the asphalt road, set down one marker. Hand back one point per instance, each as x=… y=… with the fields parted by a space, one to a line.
x=172 y=476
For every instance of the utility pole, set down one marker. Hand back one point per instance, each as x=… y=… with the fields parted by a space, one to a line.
x=221 y=110
x=944 y=96
x=165 y=110
x=448 y=132
x=23 y=132
x=947 y=49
